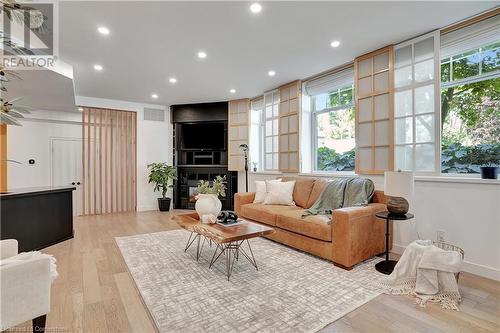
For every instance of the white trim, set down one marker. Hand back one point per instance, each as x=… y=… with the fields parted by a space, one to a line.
x=469 y=267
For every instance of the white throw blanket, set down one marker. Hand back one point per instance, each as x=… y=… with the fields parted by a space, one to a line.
x=33 y=255
x=427 y=272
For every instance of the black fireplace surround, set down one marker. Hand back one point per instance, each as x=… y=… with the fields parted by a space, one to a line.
x=200 y=151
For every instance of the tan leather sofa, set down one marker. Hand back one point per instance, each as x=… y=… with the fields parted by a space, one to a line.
x=354 y=235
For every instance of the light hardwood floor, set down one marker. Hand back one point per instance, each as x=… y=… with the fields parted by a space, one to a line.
x=95 y=293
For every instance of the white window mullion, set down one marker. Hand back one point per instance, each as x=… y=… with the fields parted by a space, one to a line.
x=421 y=55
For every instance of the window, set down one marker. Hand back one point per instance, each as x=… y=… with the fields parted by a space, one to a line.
x=470 y=98
x=415 y=104
x=333 y=121
x=271 y=115
x=256 y=131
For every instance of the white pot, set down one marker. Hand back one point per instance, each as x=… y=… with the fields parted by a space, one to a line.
x=208 y=204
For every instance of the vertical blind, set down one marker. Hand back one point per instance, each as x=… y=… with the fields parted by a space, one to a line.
x=109 y=161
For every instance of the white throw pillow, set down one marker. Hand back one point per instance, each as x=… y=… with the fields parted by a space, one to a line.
x=261 y=190
x=279 y=193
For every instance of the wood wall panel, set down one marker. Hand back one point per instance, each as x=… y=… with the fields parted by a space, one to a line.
x=374 y=73
x=289 y=132
x=109 y=161
x=238 y=128
x=3 y=158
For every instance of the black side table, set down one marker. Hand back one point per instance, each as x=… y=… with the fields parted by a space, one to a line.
x=387 y=266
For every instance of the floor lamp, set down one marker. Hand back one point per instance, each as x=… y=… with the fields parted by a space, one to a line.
x=244 y=147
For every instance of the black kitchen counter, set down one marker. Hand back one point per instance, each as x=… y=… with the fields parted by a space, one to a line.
x=37 y=217
x=31 y=191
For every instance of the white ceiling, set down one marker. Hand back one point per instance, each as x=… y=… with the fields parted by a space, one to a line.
x=152 y=41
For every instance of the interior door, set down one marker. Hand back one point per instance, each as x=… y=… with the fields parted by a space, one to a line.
x=66 y=167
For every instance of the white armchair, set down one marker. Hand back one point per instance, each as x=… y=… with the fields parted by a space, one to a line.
x=25 y=289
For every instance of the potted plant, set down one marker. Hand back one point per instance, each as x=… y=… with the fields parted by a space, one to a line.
x=162 y=174
x=208 y=202
x=488 y=159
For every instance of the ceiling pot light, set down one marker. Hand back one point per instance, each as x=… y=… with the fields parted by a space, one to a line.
x=154 y=96
x=255 y=8
x=335 y=43
x=80 y=109
x=202 y=55
x=98 y=67
x=232 y=91
x=271 y=73
x=103 y=30
x=172 y=80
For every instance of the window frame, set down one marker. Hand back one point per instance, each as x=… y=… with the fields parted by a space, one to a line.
x=437 y=102
x=275 y=117
x=314 y=130
x=449 y=84
x=261 y=134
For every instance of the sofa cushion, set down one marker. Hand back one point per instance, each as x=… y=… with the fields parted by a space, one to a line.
x=318 y=187
x=302 y=190
x=312 y=226
x=264 y=213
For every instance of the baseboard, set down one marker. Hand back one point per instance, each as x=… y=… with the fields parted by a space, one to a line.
x=469 y=267
x=147 y=208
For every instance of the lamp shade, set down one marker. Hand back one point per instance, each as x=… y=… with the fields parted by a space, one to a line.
x=398 y=184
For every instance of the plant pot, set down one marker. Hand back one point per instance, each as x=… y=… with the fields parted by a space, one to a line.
x=208 y=204
x=164 y=204
x=489 y=172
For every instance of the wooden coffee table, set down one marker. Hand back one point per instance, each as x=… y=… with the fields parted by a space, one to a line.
x=229 y=239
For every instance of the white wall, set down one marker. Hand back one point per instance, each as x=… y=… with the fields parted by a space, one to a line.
x=468 y=213
x=154 y=143
x=32 y=141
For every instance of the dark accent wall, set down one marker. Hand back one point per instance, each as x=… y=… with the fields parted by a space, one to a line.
x=195 y=165
x=186 y=113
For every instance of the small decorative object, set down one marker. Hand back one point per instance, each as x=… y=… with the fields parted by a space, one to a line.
x=208 y=202
x=398 y=186
x=208 y=219
x=254 y=166
x=161 y=174
x=489 y=172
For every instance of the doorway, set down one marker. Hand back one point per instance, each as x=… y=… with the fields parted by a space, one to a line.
x=66 y=167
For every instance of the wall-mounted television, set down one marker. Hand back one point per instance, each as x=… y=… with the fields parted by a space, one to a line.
x=203 y=136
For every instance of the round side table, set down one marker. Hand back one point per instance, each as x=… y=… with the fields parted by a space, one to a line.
x=387 y=266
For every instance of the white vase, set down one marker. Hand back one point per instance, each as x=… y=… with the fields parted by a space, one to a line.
x=208 y=204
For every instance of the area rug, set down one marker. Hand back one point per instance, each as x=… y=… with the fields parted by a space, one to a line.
x=291 y=292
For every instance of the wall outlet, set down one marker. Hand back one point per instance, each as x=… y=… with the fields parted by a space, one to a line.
x=440 y=235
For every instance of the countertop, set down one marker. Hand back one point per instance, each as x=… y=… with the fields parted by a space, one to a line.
x=31 y=191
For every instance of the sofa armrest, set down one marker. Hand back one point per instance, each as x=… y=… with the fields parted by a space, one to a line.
x=8 y=248
x=242 y=198
x=25 y=288
x=357 y=234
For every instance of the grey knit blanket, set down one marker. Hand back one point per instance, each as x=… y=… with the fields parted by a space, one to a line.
x=342 y=192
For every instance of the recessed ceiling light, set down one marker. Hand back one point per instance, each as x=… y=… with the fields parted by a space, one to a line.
x=271 y=73
x=154 y=96
x=232 y=91
x=172 y=80
x=202 y=55
x=255 y=8
x=103 y=30
x=335 y=43
x=80 y=109
x=98 y=67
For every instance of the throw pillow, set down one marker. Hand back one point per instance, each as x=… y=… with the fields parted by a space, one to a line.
x=261 y=190
x=279 y=193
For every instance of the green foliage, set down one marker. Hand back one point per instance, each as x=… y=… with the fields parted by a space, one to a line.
x=457 y=158
x=218 y=186
x=161 y=174
x=330 y=160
